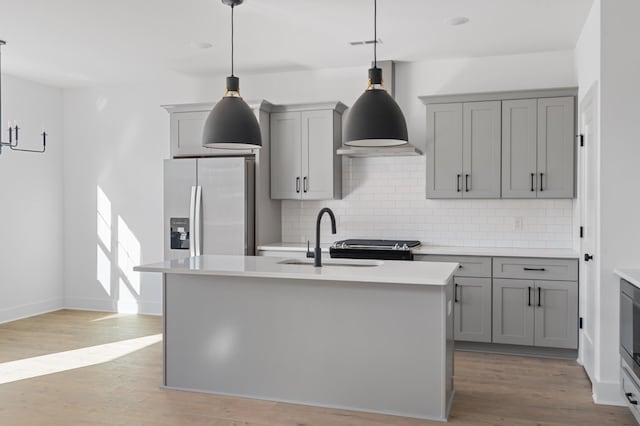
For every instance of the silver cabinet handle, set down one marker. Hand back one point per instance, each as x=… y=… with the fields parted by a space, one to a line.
x=466 y=183
x=298 y=184
x=541 y=180
x=304 y=184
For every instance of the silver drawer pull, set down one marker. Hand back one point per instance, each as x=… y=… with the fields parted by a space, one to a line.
x=535 y=269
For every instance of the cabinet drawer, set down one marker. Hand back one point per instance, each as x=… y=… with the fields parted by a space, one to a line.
x=631 y=391
x=470 y=266
x=536 y=269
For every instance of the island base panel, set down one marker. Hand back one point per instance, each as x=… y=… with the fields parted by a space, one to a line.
x=383 y=348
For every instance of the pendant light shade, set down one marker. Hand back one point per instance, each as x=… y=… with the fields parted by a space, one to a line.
x=375 y=119
x=231 y=123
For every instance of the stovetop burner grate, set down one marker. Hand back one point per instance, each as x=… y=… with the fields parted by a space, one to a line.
x=381 y=244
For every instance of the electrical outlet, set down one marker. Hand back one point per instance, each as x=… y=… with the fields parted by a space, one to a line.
x=517 y=223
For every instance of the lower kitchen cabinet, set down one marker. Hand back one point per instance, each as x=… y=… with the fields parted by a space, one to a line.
x=535 y=313
x=556 y=317
x=513 y=311
x=472 y=310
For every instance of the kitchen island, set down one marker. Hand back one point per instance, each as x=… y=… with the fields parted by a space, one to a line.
x=372 y=336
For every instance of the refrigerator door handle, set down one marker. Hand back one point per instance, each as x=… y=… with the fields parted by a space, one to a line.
x=198 y=220
x=192 y=222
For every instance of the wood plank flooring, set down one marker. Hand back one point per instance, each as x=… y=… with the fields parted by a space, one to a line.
x=490 y=389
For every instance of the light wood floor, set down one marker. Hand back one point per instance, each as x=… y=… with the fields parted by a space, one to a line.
x=490 y=389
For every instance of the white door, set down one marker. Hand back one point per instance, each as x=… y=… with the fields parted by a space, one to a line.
x=588 y=201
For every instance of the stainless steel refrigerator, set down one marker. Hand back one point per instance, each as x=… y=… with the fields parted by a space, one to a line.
x=209 y=206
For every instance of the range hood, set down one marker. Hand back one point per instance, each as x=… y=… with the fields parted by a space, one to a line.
x=388 y=71
x=379 y=151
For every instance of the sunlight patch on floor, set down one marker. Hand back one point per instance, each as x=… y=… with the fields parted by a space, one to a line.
x=69 y=360
x=113 y=316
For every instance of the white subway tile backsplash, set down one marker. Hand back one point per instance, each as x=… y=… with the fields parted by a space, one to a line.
x=385 y=198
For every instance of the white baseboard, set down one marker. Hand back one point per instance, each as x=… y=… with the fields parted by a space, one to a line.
x=110 y=305
x=608 y=393
x=30 y=309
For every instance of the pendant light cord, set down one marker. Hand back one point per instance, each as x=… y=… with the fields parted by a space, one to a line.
x=375 y=34
x=232 y=40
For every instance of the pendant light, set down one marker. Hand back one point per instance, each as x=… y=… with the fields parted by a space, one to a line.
x=231 y=123
x=375 y=119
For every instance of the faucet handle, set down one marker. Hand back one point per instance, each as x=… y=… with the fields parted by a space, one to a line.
x=309 y=253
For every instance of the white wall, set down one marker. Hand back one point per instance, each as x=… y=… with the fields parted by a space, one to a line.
x=116 y=139
x=619 y=157
x=31 y=237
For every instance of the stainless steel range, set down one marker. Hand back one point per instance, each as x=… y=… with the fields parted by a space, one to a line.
x=374 y=249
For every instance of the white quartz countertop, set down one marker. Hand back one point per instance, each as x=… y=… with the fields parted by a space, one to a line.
x=631 y=275
x=385 y=272
x=450 y=250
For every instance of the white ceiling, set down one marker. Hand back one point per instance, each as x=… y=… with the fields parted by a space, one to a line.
x=87 y=42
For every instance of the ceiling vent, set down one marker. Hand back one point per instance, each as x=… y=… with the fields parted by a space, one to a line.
x=364 y=42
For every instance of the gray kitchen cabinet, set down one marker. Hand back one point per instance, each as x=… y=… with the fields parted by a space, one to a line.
x=463 y=150
x=535 y=268
x=481 y=149
x=304 y=140
x=186 y=123
x=444 y=150
x=286 y=155
x=556 y=314
x=513 y=313
x=501 y=145
x=472 y=309
x=186 y=133
x=535 y=313
x=538 y=148
x=519 y=153
x=556 y=147
x=472 y=297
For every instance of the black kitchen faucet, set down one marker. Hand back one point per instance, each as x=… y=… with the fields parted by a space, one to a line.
x=317 y=258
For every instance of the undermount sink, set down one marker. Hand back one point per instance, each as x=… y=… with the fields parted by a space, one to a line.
x=333 y=262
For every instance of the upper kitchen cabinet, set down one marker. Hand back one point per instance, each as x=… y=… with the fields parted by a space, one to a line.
x=304 y=140
x=519 y=130
x=463 y=150
x=556 y=147
x=538 y=140
x=444 y=151
x=186 y=125
x=501 y=145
